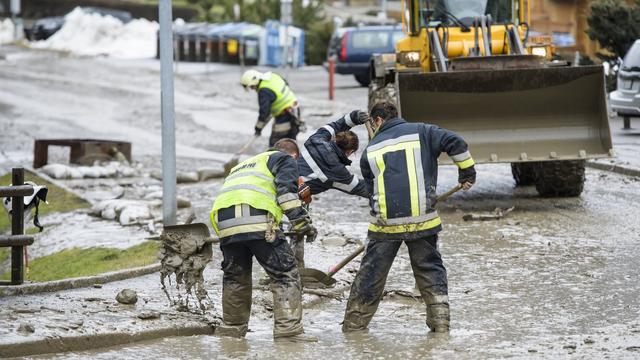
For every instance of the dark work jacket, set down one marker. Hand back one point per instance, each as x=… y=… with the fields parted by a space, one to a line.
x=323 y=165
x=394 y=146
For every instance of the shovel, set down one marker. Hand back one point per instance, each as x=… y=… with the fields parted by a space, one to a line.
x=308 y=275
x=236 y=157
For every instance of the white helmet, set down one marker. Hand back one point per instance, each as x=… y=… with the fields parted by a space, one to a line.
x=250 y=78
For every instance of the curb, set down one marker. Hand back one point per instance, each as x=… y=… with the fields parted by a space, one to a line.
x=614 y=168
x=79 y=282
x=88 y=342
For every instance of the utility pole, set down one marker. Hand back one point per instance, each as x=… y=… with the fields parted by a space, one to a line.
x=16 y=18
x=169 y=204
x=286 y=18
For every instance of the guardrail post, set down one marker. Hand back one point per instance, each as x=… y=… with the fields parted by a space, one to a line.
x=17 y=228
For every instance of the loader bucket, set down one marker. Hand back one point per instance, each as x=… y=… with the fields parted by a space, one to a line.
x=513 y=115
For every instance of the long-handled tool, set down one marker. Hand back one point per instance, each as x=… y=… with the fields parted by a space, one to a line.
x=236 y=157
x=310 y=276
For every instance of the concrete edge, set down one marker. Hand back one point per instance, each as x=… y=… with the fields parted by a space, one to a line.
x=89 y=342
x=614 y=168
x=85 y=281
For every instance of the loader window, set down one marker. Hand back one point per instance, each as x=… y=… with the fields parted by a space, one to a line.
x=444 y=11
x=631 y=61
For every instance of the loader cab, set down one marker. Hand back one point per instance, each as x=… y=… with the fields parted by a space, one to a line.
x=456 y=13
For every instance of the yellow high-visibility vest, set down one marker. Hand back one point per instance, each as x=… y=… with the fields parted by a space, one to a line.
x=285 y=98
x=251 y=183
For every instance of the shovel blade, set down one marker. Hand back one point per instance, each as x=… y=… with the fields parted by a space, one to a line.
x=310 y=276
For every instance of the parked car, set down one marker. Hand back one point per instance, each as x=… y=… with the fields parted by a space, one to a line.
x=43 y=28
x=626 y=99
x=354 y=46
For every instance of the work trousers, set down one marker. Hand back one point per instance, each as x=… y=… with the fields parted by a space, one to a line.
x=368 y=286
x=285 y=125
x=278 y=261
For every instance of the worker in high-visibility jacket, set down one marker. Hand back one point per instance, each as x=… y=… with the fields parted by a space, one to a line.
x=246 y=216
x=277 y=100
x=400 y=165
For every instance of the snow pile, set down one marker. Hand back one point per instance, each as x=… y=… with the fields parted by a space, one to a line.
x=109 y=170
x=6 y=31
x=89 y=34
x=126 y=212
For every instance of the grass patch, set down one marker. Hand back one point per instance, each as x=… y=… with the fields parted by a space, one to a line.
x=76 y=262
x=5 y=252
x=60 y=200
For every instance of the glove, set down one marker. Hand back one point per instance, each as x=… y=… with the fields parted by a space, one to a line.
x=258 y=131
x=359 y=117
x=302 y=226
x=304 y=193
x=467 y=175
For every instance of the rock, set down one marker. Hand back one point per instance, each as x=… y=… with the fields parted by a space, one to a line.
x=127 y=296
x=183 y=202
x=93 y=299
x=209 y=173
x=589 y=341
x=26 y=328
x=334 y=241
x=149 y=315
x=570 y=347
x=97 y=286
x=187 y=177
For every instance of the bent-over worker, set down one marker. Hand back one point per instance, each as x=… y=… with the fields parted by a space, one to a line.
x=400 y=165
x=277 y=100
x=325 y=157
x=246 y=216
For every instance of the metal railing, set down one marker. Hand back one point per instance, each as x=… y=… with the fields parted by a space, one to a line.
x=17 y=240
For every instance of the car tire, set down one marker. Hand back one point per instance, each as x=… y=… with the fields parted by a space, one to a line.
x=523 y=173
x=363 y=80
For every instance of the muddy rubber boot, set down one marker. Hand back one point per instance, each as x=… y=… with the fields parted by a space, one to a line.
x=297 y=338
x=236 y=331
x=438 y=317
x=287 y=308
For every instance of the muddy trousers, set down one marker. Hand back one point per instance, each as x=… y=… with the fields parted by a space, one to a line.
x=285 y=125
x=278 y=261
x=368 y=286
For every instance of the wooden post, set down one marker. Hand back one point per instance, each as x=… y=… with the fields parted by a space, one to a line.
x=331 y=70
x=17 y=228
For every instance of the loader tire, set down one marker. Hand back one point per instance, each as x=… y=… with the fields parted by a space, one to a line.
x=523 y=173
x=379 y=92
x=560 y=178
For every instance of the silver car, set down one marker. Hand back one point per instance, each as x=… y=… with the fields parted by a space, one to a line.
x=626 y=100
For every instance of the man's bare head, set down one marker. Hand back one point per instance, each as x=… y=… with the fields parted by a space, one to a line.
x=288 y=146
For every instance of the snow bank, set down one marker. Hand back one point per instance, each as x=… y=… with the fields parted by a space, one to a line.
x=109 y=170
x=6 y=31
x=88 y=34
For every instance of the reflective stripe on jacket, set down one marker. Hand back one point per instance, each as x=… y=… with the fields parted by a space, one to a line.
x=285 y=98
x=323 y=165
x=400 y=165
x=266 y=182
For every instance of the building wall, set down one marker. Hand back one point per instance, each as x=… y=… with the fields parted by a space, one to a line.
x=564 y=16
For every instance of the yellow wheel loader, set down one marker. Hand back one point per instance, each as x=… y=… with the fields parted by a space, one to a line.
x=470 y=66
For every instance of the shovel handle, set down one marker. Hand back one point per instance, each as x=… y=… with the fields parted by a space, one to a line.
x=446 y=195
x=246 y=146
x=335 y=268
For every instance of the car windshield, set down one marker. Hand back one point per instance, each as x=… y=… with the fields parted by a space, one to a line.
x=631 y=61
x=501 y=11
x=370 y=39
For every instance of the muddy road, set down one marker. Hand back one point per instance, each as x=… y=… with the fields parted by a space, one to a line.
x=555 y=278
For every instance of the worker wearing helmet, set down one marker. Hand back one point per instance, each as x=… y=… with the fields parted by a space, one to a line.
x=276 y=100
